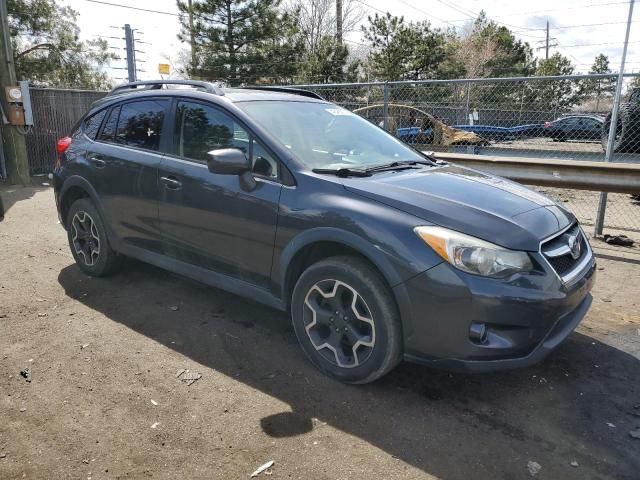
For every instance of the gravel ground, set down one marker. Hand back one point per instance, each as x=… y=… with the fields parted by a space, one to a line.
x=104 y=400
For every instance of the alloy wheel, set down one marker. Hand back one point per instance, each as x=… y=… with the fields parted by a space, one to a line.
x=85 y=238
x=339 y=323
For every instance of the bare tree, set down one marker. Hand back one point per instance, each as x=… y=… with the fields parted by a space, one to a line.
x=475 y=54
x=317 y=19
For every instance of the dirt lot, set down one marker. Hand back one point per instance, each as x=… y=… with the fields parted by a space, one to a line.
x=103 y=352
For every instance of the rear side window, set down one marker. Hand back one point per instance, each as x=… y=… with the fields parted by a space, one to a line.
x=92 y=124
x=140 y=124
x=108 y=131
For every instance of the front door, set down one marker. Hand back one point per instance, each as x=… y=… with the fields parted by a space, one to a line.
x=207 y=219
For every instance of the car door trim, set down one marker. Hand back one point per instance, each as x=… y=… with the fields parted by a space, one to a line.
x=209 y=277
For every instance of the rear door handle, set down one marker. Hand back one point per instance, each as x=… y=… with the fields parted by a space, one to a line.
x=97 y=160
x=171 y=183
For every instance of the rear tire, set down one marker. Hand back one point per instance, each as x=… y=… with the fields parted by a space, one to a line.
x=621 y=142
x=346 y=320
x=88 y=240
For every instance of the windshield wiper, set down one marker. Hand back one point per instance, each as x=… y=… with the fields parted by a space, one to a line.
x=399 y=165
x=343 y=172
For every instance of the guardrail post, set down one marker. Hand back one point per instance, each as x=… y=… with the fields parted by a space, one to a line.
x=385 y=108
x=602 y=204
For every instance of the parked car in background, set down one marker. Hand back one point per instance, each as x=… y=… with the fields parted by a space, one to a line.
x=377 y=251
x=575 y=127
x=627 y=137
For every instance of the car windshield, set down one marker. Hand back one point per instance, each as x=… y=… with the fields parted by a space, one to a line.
x=322 y=135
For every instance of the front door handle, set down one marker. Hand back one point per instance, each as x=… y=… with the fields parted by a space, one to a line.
x=171 y=183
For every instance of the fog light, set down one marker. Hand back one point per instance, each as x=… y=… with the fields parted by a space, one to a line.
x=478 y=332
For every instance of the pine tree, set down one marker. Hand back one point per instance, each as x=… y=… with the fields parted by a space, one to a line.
x=241 y=41
x=557 y=96
x=601 y=89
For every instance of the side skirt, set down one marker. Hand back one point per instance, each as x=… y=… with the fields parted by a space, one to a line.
x=208 y=277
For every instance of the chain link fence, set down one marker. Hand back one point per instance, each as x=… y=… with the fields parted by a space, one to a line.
x=55 y=111
x=552 y=118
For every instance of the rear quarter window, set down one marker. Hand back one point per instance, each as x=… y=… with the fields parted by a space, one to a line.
x=107 y=134
x=91 y=125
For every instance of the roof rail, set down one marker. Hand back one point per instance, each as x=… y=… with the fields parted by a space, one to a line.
x=157 y=85
x=293 y=91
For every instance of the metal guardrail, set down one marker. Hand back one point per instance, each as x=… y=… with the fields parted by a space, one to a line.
x=570 y=174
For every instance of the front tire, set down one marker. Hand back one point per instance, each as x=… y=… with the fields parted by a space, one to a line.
x=346 y=320
x=88 y=240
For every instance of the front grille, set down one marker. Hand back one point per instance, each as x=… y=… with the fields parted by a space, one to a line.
x=563 y=264
x=558 y=253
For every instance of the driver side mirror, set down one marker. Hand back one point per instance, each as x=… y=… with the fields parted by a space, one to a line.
x=232 y=161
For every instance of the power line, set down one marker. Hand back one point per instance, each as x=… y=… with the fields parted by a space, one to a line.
x=425 y=12
x=134 y=8
x=594 y=44
x=474 y=15
x=372 y=7
x=562 y=27
x=576 y=7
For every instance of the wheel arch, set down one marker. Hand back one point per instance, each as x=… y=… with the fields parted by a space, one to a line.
x=74 y=188
x=316 y=244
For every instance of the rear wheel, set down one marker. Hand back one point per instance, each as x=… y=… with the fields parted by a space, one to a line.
x=346 y=320
x=88 y=240
x=620 y=142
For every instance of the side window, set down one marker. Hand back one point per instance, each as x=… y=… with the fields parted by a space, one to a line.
x=200 y=129
x=108 y=132
x=140 y=124
x=262 y=162
x=92 y=124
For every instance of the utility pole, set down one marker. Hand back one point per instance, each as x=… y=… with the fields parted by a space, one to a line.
x=131 y=52
x=546 y=56
x=15 y=146
x=339 y=22
x=192 y=35
x=547 y=43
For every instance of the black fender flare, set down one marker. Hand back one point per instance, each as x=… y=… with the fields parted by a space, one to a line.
x=370 y=251
x=78 y=181
x=373 y=253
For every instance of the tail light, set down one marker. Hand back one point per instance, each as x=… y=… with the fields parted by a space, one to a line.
x=547 y=124
x=63 y=144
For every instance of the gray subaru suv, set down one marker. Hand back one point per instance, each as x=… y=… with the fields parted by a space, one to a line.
x=378 y=252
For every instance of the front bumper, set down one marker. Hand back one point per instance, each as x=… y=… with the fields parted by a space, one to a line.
x=524 y=318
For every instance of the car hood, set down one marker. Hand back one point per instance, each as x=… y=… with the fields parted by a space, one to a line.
x=485 y=206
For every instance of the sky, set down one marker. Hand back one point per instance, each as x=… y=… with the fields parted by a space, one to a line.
x=581 y=29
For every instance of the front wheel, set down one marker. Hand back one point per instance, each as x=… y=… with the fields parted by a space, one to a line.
x=346 y=320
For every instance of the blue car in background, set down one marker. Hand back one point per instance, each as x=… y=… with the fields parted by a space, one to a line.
x=492 y=132
x=575 y=127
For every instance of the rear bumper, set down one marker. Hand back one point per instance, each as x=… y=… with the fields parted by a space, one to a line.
x=524 y=318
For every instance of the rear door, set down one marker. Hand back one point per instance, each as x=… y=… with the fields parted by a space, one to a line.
x=124 y=162
x=207 y=219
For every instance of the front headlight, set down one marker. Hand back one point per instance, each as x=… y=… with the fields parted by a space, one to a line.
x=473 y=255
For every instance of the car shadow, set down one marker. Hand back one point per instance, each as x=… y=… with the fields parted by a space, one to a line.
x=453 y=426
